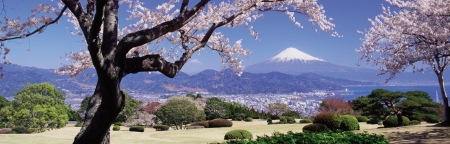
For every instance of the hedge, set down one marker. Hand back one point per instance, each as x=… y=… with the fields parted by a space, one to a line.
x=137 y=128
x=220 y=123
x=205 y=124
x=314 y=138
x=161 y=127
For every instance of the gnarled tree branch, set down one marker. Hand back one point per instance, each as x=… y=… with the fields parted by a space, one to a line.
x=40 y=28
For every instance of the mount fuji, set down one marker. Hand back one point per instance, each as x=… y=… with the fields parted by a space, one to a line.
x=295 y=62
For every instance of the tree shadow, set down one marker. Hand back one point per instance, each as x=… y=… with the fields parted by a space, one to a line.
x=440 y=136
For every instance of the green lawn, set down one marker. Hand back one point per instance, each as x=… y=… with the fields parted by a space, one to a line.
x=150 y=136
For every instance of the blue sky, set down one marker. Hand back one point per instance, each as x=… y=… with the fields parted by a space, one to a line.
x=276 y=33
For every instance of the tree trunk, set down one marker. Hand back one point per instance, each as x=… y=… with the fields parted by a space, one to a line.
x=399 y=119
x=104 y=106
x=444 y=97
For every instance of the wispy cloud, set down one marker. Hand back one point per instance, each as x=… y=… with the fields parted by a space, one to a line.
x=195 y=61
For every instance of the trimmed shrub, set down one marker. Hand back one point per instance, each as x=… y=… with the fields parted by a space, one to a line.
x=432 y=119
x=269 y=121
x=205 y=124
x=5 y=130
x=349 y=123
x=116 y=128
x=283 y=120
x=305 y=121
x=220 y=123
x=137 y=128
x=313 y=138
x=20 y=129
x=162 y=127
x=238 y=135
x=362 y=118
x=316 y=128
x=414 y=117
x=249 y=119
x=406 y=121
x=414 y=122
x=331 y=120
x=393 y=122
x=290 y=120
x=118 y=124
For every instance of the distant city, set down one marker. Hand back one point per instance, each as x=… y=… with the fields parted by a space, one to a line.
x=306 y=104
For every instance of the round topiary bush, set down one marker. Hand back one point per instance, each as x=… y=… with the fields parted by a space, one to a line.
x=249 y=119
x=349 y=123
x=331 y=120
x=137 y=128
x=406 y=121
x=290 y=120
x=305 y=121
x=220 y=123
x=238 y=134
x=362 y=118
x=205 y=124
x=393 y=122
x=316 y=128
x=414 y=122
x=116 y=128
x=161 y=127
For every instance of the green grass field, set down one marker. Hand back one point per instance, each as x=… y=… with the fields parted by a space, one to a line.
x=150 y=136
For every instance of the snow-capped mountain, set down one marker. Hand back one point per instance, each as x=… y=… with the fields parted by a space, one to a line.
x=295 y=62
x=293 y=54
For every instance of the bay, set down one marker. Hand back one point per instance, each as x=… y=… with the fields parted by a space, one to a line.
x=366 y=90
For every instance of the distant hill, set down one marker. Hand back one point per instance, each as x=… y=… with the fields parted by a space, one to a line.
x=226 y=82
x=295 y=62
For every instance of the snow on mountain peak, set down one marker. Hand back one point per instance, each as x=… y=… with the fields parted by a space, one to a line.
x=293 y=54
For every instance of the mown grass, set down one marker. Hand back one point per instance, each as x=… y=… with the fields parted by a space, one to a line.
x=150 y=136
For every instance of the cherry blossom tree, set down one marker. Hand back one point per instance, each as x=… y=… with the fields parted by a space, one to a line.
x=116 y=51
x=417 y=34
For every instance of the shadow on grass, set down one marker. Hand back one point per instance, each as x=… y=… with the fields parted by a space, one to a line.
x=438 y=135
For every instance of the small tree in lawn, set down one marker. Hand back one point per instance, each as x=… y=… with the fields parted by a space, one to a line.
x=180 y=111
x=419 y=31
x=277 y=108
x=116 y=51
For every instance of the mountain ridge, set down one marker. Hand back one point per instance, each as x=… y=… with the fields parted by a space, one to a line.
x=226 y=82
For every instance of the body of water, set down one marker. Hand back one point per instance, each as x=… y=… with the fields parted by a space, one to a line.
x=366 y=90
